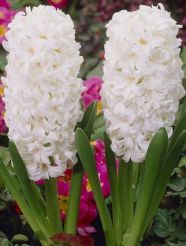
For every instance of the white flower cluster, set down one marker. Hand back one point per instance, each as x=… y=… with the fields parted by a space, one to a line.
x=42 y=89
x=142 y=79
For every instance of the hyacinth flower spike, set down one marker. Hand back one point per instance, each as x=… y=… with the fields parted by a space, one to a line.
x=42 y=103
x=141 y=94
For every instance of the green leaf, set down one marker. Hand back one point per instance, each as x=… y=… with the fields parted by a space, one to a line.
x=2 y=235
x=180 y=231
x=153 y=167
x=14 y=188
x=176 y=244
x=180 y=124
x=74 y=199
x=87 y=159
x=126 y=194
x=99 y=121
x=5 y=242
x=20 y=237
x=98 y=134
x=5 y=155
x=112 y=173
x=23 y=178
x=183 y=56
x=3 y=59
x=163 y=224
x=52 y=205
x=90 y=123
x=169 y=163
x=87 y=115
x=182 y=194
x=87 y=124
x=183 y=212
x=173 y=156
x=97 y=71
x=182 y=162
x=89 y=63
x=17 y=4
x=34 y=199
x=99 y=128
x=178 y=184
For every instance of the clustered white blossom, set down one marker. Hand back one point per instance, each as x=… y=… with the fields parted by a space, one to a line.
x=43 y=89
x=142 y=79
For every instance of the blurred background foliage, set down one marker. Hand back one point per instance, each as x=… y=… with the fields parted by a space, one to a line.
x=90 y=17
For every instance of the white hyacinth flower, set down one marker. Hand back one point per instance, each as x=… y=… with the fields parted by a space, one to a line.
x=43 y=89
x=142 y=79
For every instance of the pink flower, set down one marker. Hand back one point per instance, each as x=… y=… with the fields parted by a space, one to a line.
x=3 y=127
x=58 y=3
x=4 y=3
x=92 y=90
x=2 y=106
x=99 y=155
x=87 y=210
x=6 y=16
x=40 y=182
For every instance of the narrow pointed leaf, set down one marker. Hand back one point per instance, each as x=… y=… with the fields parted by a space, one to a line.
x=13 y=186
x=87 y=158
x=26 y=185
x=87 y=115
x=153 y=166
x=90 y=124
x=169 y=164
x=112 y=173
x=180 y=125
x=76 y=182
x=111 y=162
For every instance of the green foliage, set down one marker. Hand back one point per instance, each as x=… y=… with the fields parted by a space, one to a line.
x=96 y=71
x=3 y=60
x=98 y=133
x=17 y=4
x=99 y=128
x=168 y=227
x=170 y=221
x=88 y=65
x=183 y=56
x=87 y=159
x=163 y=224
x=17 y=240
x=177 y=186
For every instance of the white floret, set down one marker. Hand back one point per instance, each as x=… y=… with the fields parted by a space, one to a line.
x=43 y=89
x=142 y=79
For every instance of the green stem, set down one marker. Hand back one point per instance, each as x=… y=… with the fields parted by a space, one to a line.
x=136 y=171
x=38 y=196
x=116 y=212
x=74 y=200
x=126 y=194
x=52 y=205
x=103 y=211
x=112 y=173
